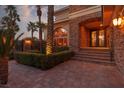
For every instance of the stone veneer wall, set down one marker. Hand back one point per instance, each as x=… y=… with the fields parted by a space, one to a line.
x=118 y=40
x=74 y=29
x=108 y=37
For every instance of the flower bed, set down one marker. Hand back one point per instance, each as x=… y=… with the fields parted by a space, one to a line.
x=43 y=61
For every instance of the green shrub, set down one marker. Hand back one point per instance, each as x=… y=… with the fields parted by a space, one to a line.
x=11 y=56
x=43 y=47
x=27 y=58
x=61 y=48
x=33 y=51
x=43 y=61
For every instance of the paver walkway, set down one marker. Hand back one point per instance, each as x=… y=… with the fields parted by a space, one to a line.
x=68 y=74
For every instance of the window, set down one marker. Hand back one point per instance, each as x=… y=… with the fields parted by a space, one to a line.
x=98 y=38
x=61 y=37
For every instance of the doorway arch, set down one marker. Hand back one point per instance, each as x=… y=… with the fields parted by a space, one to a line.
x=92 y=34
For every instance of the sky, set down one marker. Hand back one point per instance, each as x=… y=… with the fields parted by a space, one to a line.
x=28 y=13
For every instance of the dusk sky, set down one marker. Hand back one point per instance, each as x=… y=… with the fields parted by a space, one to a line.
x=28 y=13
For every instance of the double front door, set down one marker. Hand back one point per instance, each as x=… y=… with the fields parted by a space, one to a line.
x=97 y=38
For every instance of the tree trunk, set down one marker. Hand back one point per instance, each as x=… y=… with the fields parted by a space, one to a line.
x=40 y=34
x=49 y=47
x=3 y=70
x=32 y=40
x=39 y=13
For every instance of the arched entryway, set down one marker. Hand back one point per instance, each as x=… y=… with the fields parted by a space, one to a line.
x=93 y=34
x=61 y=37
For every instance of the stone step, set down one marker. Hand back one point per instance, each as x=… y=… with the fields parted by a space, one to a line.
x=94 y=60
x=95 y=48
x=94 y=54
x=94 y=51
x=93 y=57
x=97 y=55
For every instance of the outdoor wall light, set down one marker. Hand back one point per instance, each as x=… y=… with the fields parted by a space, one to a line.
x=4 y=40
x=101 y=25
x=28 y=42
x=117 y=21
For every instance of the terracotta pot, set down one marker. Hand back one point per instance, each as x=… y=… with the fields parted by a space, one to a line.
x=4 y=70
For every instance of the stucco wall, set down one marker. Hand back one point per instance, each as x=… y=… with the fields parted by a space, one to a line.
x=83 y=37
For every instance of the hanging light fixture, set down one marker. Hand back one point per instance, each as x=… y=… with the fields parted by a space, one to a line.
x=102 y=23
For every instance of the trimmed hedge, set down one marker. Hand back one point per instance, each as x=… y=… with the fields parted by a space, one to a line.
x=43 y=61
x=33 y=51
x=11 y=56
x=61 y=48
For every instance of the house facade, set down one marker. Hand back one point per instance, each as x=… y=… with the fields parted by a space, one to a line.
x=83 y=25
x=89 y=31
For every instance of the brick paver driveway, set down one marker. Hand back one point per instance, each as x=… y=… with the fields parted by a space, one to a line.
x=68 y=74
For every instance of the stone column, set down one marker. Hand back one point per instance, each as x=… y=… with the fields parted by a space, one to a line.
x=119 y=48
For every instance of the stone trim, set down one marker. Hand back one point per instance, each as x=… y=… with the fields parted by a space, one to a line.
x=61 y=10
x=85 y=12
x=80 y=13
x=62 y=20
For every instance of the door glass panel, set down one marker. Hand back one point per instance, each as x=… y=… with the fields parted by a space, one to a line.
x=101 y=38
x=93 y=38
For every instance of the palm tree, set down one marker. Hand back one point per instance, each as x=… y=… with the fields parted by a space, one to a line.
x=9 y=28
x=6 y=47
x=10 y=21
x=32 y=27
x=49 y=47
x=42 y=24
x=39 y=13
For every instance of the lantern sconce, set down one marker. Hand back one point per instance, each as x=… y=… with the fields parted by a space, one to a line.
x=119 y=21
x=4 y=40
x=28 y=42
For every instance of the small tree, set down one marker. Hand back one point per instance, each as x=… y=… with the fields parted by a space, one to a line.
x=8 y=31
x=6 y=43
x=9 y=22
x=43 y=25
x=6 y=46
x=32 y=27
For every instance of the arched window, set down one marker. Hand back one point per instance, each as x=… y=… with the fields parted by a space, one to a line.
x=61 y=37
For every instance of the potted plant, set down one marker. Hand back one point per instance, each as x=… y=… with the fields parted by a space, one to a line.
x=6 y=46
